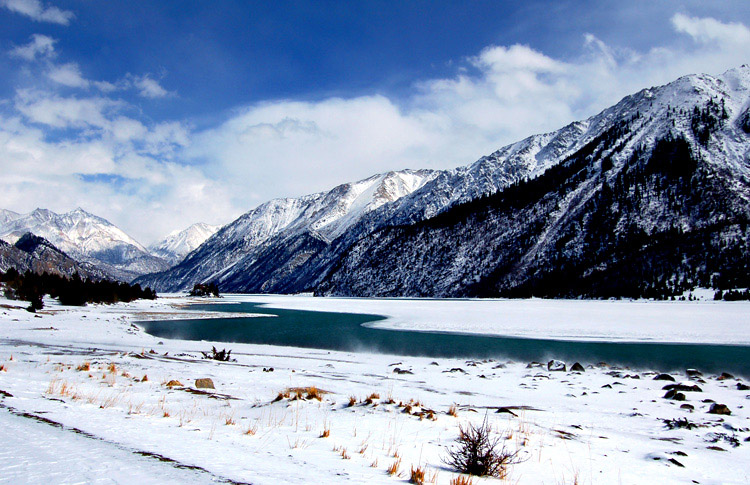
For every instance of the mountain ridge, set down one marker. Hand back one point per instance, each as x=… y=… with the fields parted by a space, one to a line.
x=300 y=258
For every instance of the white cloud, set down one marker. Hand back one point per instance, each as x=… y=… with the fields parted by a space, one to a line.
x=68 y=75
x=65 y=112
x=149 y=88
x=40 y=45
x=35 y=10
x=705 y=30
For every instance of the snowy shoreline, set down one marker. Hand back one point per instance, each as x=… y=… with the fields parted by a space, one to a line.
x=603 y=425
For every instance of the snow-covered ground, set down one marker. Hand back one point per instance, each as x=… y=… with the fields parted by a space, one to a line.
x=85 y=399
x=701 y=321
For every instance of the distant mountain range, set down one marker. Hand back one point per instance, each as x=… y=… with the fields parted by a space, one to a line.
x=647 y=197
x=179 y=244
x=97 y=243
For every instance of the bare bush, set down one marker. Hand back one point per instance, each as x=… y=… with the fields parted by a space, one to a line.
x=479 y=453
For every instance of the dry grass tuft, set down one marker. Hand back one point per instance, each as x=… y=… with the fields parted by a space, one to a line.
x=85 y=367
x=362 y=450
x=144 y=378
x=112 y=368
x=417 y=476
x=314 y=393
x=229 y=421
x=125 y=374
x=374 y=464
x=326 y=432
x=394 y=467
x=462 y=480
x=352 y=401
x=3 y=368
x=372 y=397
x=166 y=414
x=344 y=454
x=173 y=383
x=453 y=411
x=252 y=429
x=282 y=395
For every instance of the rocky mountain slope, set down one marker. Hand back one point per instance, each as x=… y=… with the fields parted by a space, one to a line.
x=656 y=202
x=85 y=237
x=175 y=246
x=33 y=253
x=584 y=198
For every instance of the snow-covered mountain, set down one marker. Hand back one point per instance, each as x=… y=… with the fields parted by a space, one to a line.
x=86 y=238
x=653 y=199
x=34 y=253
x=322 y=217
x=178 y=244
x=304 y=244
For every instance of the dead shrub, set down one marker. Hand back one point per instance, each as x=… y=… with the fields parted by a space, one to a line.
x=479 y=453
x=222 y=355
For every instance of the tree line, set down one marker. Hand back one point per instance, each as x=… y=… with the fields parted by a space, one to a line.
x=74 y=290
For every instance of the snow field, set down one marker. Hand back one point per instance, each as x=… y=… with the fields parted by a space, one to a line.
x=600 y=426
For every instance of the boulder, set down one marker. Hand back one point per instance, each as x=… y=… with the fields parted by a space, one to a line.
x=693 y=373
x=742 y=387
x=556 y=366
x=683 y=387
x=724 y=376
x=717 y=408
x=204 y=383
x=674 y=395
x=577 y=368
x=664 y=377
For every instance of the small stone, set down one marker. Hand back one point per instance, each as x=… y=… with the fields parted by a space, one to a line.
x=664 y=377
x=724 y=376
x=693 y=373
x=675 y=462
x=204 y=383
x=173 y=383
x=742 y=387
x=534 y=364
x=577 y=368
x=556 y=366
x=689 y=407
x=717 y=408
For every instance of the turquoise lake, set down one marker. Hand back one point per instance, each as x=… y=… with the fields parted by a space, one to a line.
x=347 y=332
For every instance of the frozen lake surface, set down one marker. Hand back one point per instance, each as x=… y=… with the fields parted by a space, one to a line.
x=709 y=335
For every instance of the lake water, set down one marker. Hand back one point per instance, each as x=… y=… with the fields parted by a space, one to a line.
x=346 y=332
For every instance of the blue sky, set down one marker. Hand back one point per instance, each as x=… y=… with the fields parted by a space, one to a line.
x=159 y=114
